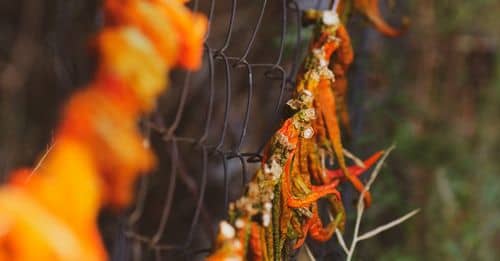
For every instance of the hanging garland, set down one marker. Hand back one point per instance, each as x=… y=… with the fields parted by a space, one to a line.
x=49 y=212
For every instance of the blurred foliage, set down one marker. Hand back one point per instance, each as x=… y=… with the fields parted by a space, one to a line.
x=444 y=120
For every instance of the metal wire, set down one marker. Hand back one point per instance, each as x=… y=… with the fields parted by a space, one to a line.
x=234 y=92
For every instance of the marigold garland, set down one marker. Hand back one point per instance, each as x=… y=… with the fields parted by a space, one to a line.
x=49 y=213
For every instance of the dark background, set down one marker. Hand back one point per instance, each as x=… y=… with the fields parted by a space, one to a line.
x=434 y=92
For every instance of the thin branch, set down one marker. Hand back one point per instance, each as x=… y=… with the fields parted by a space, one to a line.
x=42 y=159
x=360 y=208
x=361 y=205
x=373 y=176
x=341 y=240
x=309 y=253
x=377 y=170
x=356 y=160
x=387 y=226
x=360 y=211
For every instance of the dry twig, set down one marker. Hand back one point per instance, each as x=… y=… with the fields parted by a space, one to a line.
x=349 y=251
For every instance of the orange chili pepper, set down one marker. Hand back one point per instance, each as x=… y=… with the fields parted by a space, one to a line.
x=327 y=99
x=354 y=170
x=371 y=10
x=256 y=242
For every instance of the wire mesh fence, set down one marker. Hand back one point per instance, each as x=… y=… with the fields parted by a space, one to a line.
x=212 y=126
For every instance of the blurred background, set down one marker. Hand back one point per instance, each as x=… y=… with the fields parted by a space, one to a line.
x=434 y=92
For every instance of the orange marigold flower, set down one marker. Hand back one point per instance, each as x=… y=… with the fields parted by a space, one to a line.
x=37 y=223
x=112 y=137
x=30 y=232
x=152 y=22
x=172 y=28
x=190 y=27
x=128 y=55
x=69 y=167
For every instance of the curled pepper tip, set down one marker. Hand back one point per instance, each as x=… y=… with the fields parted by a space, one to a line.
x=371 y=10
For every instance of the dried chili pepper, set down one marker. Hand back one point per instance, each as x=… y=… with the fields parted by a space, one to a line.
x=371 y=10
x=284 y=192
